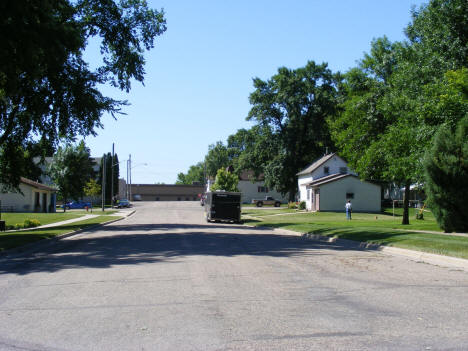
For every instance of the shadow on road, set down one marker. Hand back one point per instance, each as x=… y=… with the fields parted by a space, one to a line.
x=154 y=243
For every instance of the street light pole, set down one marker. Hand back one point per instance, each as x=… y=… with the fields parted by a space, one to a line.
x=112 y=177
x=103 y=182
x=130 y=177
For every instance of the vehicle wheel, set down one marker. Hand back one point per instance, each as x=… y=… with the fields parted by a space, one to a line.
x=277 y=204
x=259 y=204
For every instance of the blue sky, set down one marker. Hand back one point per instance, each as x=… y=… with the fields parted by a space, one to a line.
x=199 y=75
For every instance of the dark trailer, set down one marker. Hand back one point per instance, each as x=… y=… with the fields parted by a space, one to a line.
x=223 y=206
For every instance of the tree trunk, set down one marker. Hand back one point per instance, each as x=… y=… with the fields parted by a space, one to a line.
x=406 y=204
x=292 y=194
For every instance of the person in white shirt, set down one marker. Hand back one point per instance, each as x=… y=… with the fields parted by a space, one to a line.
x=349 y=209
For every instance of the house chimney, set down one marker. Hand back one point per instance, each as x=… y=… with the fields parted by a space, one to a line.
x=326 y=151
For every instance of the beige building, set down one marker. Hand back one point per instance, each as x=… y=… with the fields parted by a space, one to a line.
x=161 y=192
x=35 y=197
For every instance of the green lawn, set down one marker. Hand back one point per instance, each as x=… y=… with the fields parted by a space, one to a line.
x=381 y=229
x=20 y=238
x=44 y=218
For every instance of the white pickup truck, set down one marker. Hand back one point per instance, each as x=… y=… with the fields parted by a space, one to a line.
x=268 y=200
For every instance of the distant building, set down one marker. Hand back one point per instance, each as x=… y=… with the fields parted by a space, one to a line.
x=160 y=192
x=254 y=188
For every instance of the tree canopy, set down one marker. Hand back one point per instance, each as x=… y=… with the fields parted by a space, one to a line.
x=294 y=105
x=395 y=100
x=48 y=91
x=70 y=170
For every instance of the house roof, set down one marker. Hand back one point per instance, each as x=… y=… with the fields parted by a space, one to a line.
x=312 y=167
x=36 y=184
x=329 y=179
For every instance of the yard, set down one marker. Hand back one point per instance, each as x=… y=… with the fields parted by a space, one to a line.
x=383 y=228
x=12 y=239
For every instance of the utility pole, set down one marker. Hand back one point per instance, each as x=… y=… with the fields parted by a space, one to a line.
x=130 y=176
x=112 y=177
x=103 y=181
x=126 y=184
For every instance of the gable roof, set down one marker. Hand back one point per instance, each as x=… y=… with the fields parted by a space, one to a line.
x=312 y=167
x=36 y=184
x=329 y=179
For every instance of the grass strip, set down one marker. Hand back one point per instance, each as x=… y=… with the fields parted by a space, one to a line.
x=44 y=218
x=20 y=238
x=385 y=230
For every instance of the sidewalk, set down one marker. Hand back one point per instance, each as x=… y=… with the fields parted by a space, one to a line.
x=119 y=213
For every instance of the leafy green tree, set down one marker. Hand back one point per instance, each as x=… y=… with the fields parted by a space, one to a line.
x=70 y=170
x=195 y=174
x=252 y=149
x=225 y=181
x=47 y=89
x=92 y=189
x=217 y=157
x=446 y=165
x=392 y=103
x=294 y=105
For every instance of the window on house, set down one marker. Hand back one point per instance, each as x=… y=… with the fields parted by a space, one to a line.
x=262 y=189
x=308 y=194
x=326 y=170
x=343 y=170
x=349 y=196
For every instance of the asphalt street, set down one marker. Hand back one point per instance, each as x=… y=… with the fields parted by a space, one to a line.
x=164 y=279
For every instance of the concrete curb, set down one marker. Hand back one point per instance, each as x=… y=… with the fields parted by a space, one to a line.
x=418 y=256
x=40 y=244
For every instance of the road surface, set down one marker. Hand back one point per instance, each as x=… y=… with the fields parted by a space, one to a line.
x=164 y=279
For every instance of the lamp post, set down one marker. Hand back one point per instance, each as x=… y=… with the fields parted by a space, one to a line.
x=103 y=183
x=129 y=176
x=112 y=177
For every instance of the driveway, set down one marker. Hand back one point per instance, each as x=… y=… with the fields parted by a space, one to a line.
x=164 y=279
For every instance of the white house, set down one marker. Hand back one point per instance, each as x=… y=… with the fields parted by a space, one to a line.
x=331 y=193
x=44 y=164
x=252 y=188
x=35 y=197
x=328 y=183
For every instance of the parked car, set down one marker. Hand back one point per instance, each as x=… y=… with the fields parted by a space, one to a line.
x=77 y=205
x=268 y=200
x=123 y=203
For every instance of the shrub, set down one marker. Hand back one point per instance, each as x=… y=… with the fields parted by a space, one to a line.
x=302 y=205
x=292 y=204
x=18 y=226
x=31 y=223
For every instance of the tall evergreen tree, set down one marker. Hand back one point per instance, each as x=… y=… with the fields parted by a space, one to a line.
x=446 y=167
